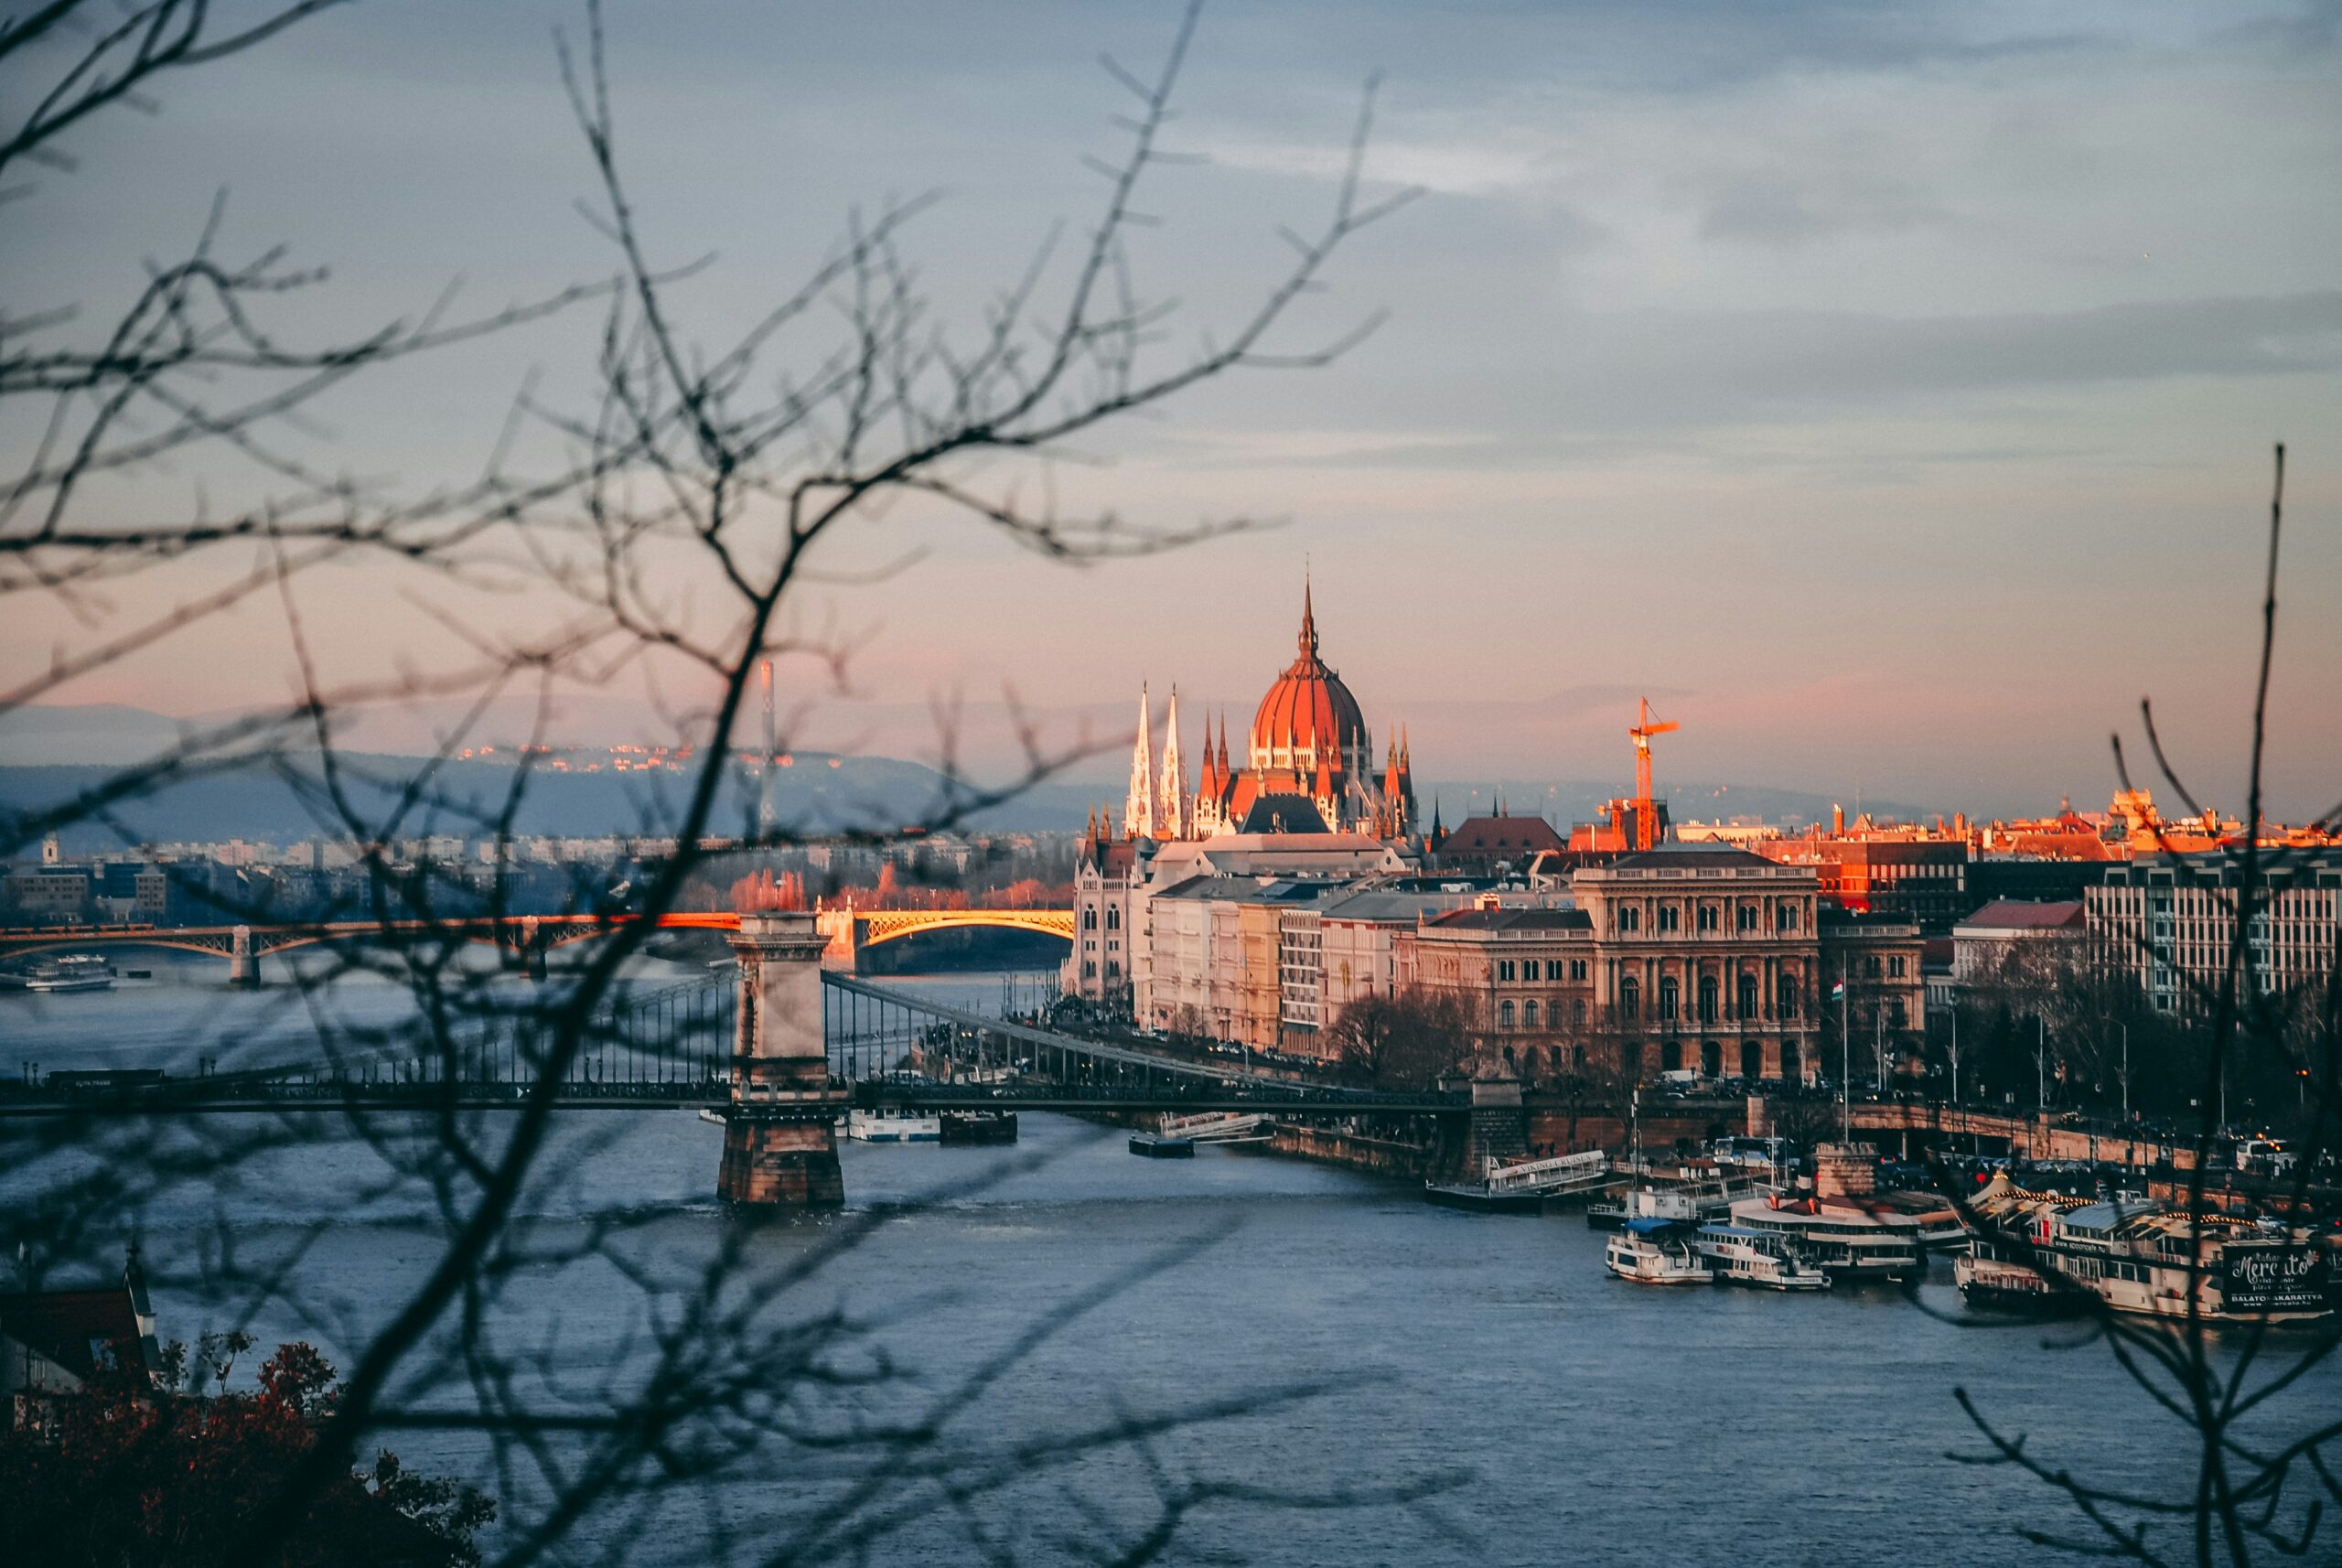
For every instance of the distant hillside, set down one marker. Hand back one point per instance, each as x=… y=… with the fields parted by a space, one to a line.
x=1581 y=801
x=257 y=801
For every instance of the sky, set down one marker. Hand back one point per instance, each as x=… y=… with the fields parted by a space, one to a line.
x=1885 y=390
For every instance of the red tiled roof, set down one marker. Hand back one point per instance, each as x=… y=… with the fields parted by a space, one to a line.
x=2015 y=915
x=1506 y=837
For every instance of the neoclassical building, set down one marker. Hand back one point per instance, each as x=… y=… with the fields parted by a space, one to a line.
x=1309 y=767
x=1696 y=958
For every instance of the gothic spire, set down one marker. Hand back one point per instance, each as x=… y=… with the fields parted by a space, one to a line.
x=1138 y=812
x=1171 y=811
x=1308 y=621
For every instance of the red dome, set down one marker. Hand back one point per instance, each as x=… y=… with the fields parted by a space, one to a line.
x=1309 y=718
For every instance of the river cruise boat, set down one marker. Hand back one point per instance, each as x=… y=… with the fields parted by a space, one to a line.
x=2150 y=1260
x=1155 y=1146
x=1689 y=1201
x=892 y=1125
x=1738 y=1256
x=1937 y=1222
x=72 y=971
x=1849 y=1242
x=1480 y=1199
x=1989 y=1282
x=978 y=1126
x=1653 y=1252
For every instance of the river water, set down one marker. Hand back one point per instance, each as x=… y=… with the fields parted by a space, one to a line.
x=1574 y=1417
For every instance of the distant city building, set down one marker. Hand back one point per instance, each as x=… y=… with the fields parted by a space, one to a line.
x=1983 y=944
x=2169 y=923
x=1687 y=958
x=1500 y=841
x=1913 y=874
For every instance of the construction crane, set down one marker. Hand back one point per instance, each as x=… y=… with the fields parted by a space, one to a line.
x=1646 y=811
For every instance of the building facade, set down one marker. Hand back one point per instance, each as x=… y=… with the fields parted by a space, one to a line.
x=2169 y=923
x=1688 y=957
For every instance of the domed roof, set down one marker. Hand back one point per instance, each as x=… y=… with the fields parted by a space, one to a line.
x=1308 y=711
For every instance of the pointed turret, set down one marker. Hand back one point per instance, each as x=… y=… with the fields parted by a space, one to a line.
x=1308 y=621
x=1138 y=813
x=1171 y=807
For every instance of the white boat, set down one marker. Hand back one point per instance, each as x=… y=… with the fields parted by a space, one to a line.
x=1738 y=1256
x=894 y=1126
x=2147 y=1259
x=73 y=972
x=1842 y=1239
x=1647 y=1250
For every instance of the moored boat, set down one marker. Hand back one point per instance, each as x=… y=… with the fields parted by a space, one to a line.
x=978 y=1126
x=1653 y=1252
x=1845 y=1239
x=1740 y=1256
x=72 y=971
x=2148 y=1259
x=1990 y=1283
x=892 y=1125
x=1477 y=1197
x=1155 y=1146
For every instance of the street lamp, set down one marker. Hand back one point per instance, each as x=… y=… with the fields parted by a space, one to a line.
x=2041 y=1063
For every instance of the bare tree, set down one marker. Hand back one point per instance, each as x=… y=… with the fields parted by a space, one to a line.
x=695 y=493
x=2264 y=1471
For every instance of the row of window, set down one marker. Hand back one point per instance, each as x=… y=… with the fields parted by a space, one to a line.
x=1669 y=998
x=1706 y=919
x=1113 y=918
x=1527 y=968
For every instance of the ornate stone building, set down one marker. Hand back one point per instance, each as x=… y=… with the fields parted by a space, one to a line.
x=1681 y=958
x=1309 y=764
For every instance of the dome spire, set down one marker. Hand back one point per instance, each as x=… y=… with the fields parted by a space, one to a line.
x=1308 y=619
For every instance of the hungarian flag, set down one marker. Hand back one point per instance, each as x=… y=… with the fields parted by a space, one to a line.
x=1838 y=992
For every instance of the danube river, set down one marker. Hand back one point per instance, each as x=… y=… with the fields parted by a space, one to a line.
x=1576 y=1418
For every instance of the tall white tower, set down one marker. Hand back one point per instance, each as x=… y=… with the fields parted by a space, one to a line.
x=1171 y=810
x=1138 y=814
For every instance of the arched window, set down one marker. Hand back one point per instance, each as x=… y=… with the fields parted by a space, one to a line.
x=1710 y=1059
x=1528 y=1015
x=1630 y=1060
x=1786 y=1000
x=1707 y=920
x=1748 y=996
x=1504 y=1015
x=1630 y=998
x=1785 y=918
x=1089 y=920
x=1113 y=918
x=1707 y=999
x=1671 y=918
x=1670 y=1056
x=1577 y=1057
x=1751 y=1060
x=1630 y=918
x=1790 y=1066
x=1670 y=1000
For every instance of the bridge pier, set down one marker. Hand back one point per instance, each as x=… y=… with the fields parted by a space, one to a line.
x=244 y=969
x=780 y=1145
x=1499 y=1129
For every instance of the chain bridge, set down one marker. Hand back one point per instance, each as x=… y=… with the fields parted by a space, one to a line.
x=780 y=1050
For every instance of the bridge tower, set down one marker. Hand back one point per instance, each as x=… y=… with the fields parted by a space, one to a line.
x=780 y=1144
x=244 y=969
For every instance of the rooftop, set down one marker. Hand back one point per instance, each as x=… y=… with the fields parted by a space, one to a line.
x=2018 y=915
